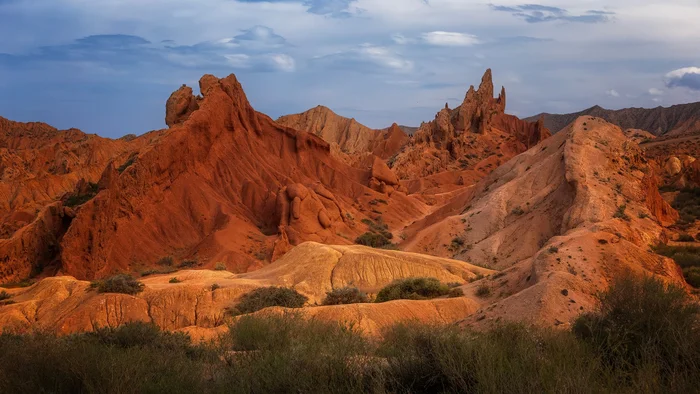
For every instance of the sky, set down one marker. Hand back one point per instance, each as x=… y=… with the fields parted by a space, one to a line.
x=108 y=66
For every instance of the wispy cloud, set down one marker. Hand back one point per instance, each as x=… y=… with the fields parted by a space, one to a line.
x=446 y=38
x=536 y=13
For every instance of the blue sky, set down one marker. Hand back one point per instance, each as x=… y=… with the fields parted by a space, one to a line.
x=107 y=66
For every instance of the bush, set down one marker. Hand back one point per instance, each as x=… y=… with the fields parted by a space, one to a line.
x=265 y=297
x=506 y=359
x=483 y=291
x=374 y=240
x=166 y=261
x=156 y=272
x=684 y=256
x=188 y=264
x=644 y=327
x=220 y=267
x=686 y=238
x=4 y=295
x=692 y=276
x=136 y=358
x=413 y=289
x=289 y=354
x=344 y=296
x=174 y=280
x=215 y=286
x=123 y=283
x=620 y=213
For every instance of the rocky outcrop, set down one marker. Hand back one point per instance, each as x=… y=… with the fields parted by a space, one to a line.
x=350 y=137
x=568 y=214
x=180 y=105
x=478 y=135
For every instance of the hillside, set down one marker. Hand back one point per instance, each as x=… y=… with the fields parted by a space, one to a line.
x=660 y=121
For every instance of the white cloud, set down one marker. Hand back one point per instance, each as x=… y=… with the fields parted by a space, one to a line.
x=385 y=57
x=656 y=92
x=688 y=77
x=446 y=38
x=284 y=62
x=612 y=93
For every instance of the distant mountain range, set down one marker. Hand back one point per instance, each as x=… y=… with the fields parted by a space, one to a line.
x=675 y=120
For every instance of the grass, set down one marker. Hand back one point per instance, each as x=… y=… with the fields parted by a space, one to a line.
x=122 y=283
x=414 y=289
x=265 y=297
x=344 y=296
x=644 y=337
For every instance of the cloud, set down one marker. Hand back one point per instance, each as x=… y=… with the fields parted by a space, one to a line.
x=366 y=58
x=535 y=13
x=612 y=93
x=688 y=77
x=256 y=49
x=656 y=92
x=333 y=8
x=445 y=38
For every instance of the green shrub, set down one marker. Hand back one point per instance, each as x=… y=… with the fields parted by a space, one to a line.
x=456 y=244
x=289 y=354
x=374 y=240
x=122 y=283
x=684 y=256
x=77 y=199
x=345 y=295
x=483 y=291
x=505 y=359
x=166 y=261
x=174 y=280
x=620 y=213
x=157 y=272
x=188 y=264
x=642 y=327
x=220 y=267
x=413 y=289
x=126 y=164
x=265 y=297
x=4 y=295
x=553 y=249
x=124 y=360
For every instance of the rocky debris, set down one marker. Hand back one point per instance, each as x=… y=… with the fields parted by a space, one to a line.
x=673 y=166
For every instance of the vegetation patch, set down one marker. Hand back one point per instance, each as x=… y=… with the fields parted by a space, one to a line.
x=644 y=337
x=265 y=297
x=344 y=296
x=687 y=257
x=77 y=199
x=122 y=283
x=414 y=289
x=687 y=203
x=620 y=213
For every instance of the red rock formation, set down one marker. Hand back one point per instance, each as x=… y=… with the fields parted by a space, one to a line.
x=227 y=184
x=477 y=135
x=180 y=105
x=350 y=137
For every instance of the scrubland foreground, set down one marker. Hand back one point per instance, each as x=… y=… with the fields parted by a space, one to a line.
x=643 y=337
